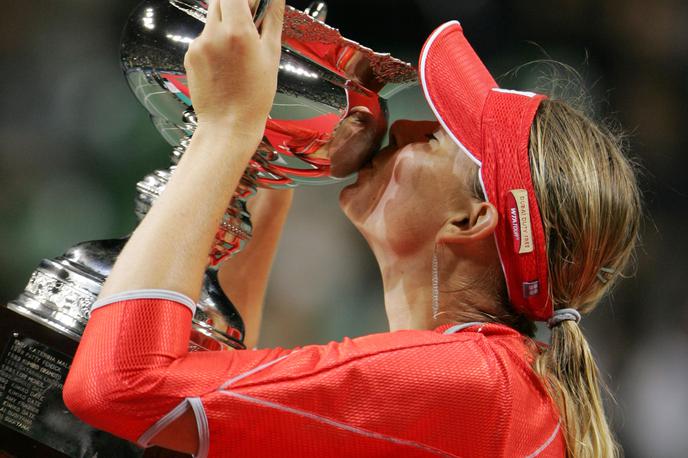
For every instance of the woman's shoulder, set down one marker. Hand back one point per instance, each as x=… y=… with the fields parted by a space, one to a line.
x=477 y=380
x=475 y=353
x=484 y=359
x=473 y=340
x=488 y=366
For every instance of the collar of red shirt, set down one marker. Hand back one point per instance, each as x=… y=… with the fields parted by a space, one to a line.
x=476 y=326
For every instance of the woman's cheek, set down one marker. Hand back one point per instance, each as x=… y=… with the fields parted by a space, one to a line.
x=403 y=168
x=412 y=175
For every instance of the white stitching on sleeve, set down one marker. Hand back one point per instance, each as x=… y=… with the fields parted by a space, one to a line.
x=231 y=381
x=164 y=422
x=203 y=428
x=196 y=406
x=547 y=442
x=339 y=425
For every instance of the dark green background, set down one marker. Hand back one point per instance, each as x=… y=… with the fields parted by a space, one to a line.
x=74 y=142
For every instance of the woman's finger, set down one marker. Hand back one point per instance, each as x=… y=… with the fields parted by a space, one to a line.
x=214 y=13
x=236 y=14
x=273 y=22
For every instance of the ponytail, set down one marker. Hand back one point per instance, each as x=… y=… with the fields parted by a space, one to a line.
x=572 y=379
x=590 y=206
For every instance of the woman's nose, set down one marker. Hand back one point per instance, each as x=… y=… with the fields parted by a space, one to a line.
x=406 y=132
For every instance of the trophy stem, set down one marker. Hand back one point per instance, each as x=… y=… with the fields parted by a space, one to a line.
x=236 y=229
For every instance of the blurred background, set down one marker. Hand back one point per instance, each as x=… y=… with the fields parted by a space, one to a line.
x=75 y=142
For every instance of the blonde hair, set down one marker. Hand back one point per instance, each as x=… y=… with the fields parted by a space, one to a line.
x=590 y=206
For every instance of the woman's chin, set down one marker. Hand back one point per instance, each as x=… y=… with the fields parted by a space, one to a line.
x=347 y=195
x=357 y=200
x=350 y=200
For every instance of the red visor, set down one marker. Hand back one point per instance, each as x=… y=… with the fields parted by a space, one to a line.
x=492 y=126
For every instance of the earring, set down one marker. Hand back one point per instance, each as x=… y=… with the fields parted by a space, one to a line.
x=435 y=284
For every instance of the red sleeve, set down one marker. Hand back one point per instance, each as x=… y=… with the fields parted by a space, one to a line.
x=407 y=393
x=133 y=366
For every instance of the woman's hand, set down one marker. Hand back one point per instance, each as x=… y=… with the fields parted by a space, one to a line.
x=232 y=76
x=232 y=67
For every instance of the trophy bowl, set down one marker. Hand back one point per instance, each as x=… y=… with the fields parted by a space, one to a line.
x=323 y=78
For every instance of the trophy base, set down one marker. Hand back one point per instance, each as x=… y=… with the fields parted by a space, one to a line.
x=34 y=422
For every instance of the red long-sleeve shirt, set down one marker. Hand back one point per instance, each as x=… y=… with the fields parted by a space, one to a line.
x=451 y=392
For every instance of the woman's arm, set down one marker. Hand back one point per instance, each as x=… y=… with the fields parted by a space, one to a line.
x=244 y=278
x=232 y=72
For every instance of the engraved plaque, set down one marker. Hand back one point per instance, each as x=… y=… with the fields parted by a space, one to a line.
x=29 y=373
x=31 y=378
x=34 y=422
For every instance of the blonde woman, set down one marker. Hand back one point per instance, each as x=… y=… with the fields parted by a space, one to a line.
x=510 y=208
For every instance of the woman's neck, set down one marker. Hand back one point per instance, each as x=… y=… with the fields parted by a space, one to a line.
x=408 y=291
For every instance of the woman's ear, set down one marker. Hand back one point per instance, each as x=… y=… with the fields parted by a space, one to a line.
x=473 y=224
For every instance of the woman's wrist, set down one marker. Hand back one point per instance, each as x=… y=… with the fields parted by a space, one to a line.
x=276 y=198
x=243 y=135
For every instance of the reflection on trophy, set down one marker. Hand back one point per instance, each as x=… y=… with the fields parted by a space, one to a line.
x=323 y=78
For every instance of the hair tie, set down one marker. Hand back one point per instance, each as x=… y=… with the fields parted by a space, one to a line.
x=603 y=272
x=562 y=315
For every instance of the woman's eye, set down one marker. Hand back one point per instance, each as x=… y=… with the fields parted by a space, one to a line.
x=431 y=137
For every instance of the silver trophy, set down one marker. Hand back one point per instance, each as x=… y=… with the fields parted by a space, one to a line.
x=323 y=78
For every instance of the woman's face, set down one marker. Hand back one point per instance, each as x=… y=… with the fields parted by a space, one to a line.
x=410 y=189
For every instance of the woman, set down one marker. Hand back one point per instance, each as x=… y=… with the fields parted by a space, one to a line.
x=512 y=208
